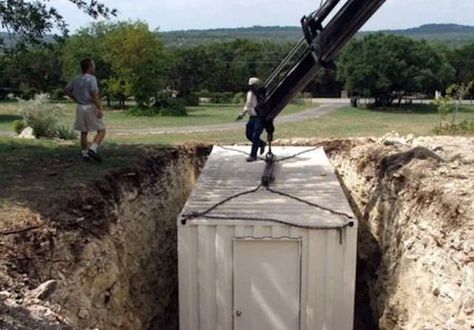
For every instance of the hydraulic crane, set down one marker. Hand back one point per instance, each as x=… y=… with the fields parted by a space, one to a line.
x=314 y=52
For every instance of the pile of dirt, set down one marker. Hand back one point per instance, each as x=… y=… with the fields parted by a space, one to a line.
x=415 y=202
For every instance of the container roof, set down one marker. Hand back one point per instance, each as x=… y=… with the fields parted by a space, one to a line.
x=309 y=177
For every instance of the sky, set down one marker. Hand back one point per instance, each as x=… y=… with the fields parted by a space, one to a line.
x=168 y=15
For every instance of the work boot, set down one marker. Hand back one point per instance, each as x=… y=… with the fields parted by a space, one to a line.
x=251 y=159
x=94 y=155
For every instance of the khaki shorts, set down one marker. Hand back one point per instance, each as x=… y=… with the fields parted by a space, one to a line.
x=86 y=119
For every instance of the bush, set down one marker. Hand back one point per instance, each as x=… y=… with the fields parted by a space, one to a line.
x=65 y=133
x=18 y=126
x=57 y=94
x=464 y=127
x=191 y=99
x=40 y=115
x=221 y=98
x=298 y=99
x=143 y=111
x=164 y=105
x=239 y=98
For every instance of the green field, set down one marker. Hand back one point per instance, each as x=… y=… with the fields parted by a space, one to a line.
x=345 y=122
x=207 y=114
x=30 y=167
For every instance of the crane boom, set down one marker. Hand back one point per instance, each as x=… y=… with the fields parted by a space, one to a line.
x=315 y=51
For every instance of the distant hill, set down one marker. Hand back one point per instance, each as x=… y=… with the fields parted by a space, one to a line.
x=449 y=34
x=452 y=35
x=190 y=38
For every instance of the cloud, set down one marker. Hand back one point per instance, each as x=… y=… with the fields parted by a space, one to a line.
x=200 y=14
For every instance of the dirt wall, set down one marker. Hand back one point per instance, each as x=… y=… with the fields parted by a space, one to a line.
x=112 y=249
x=416 y=245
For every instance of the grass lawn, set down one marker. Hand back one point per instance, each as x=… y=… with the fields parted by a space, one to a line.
x=345 y=122
x=207 y=114
x=57 y=164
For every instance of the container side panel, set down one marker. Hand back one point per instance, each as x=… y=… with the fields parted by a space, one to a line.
x=224 y=235
x=317 y=251
x=280 y=231
x=350 y=260
x=339 y=319
x=187 y=274
x=331 y=284
x=262 y=231
x=243 y=231
x=207 y=276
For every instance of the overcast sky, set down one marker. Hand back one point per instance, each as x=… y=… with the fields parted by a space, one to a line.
x=204 y=14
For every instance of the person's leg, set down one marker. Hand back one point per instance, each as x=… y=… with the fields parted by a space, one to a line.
x=256 y=141
x=93 y=149
x=84 y=142
x=249 y=129
x=99 y=137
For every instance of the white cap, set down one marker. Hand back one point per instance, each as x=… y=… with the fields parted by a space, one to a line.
x=254 y=81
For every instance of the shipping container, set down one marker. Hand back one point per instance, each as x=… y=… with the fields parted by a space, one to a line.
x=282 y=258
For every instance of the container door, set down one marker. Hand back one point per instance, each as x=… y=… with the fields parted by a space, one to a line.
x=267 y=284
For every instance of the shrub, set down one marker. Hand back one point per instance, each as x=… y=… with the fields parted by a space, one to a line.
x=298 y=99
x=164 y=105
x=221 y=98
x=40 y=115
x=191 y=99
x=239 y=98
x=18 y=126
x=65 y=133
x=57 y=94
x=464 y=127
x=143 y=111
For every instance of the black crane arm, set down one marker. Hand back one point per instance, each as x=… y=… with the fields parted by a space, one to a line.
x=315 y=51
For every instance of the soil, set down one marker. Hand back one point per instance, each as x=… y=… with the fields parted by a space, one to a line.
x=109 y=244
x=414 y=198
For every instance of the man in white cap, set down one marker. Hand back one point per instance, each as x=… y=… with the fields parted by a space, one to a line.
x=254 y=128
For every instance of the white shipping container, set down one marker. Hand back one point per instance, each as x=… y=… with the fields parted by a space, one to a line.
x=263 y=260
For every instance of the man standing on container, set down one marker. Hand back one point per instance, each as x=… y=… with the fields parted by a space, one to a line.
x=84 y=91
x=254 y=128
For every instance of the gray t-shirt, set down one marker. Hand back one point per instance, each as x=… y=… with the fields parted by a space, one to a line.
x=82 y=88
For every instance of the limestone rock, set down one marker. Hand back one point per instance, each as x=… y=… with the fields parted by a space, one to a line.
x=44 y=290
x=27 y=134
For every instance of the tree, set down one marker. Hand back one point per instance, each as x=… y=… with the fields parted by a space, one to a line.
x=136 y=58
x=32 y=70
x=88 y=43
x=462 y=60
x=388 y=67
x=32 y=19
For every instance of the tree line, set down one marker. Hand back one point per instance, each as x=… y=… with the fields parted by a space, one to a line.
x=133 y=61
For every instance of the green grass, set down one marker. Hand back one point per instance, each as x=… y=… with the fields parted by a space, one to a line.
x=345 y=122
x=32 y=170
x=208 y=114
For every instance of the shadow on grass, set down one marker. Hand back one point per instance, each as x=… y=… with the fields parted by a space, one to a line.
x=8 y=118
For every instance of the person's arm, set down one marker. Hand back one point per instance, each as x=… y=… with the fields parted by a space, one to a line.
x=96 y=98
x=248 y=104
x=68 y=91
x=98 y=104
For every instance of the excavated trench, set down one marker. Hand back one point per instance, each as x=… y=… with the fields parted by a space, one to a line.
x=116 y=243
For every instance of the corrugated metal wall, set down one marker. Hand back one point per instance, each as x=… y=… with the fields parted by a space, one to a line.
x=205 y=275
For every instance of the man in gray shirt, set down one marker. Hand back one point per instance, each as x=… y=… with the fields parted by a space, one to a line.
x=84 y=91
